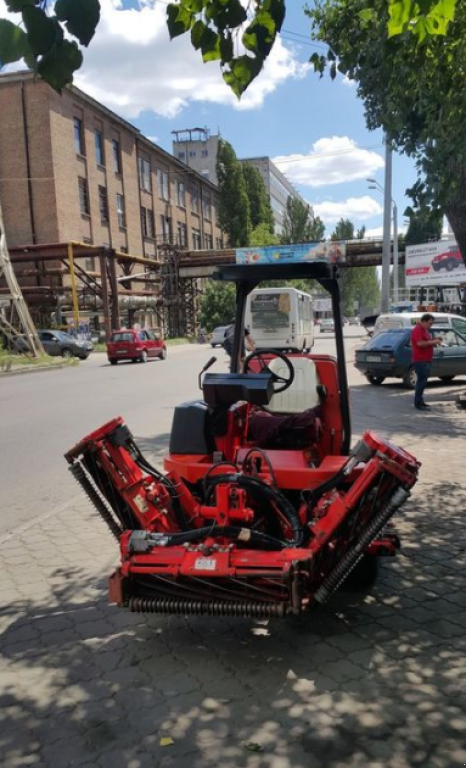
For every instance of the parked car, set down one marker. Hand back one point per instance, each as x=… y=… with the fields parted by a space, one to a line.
x=327 y=324
x=61 y=344
x=448 y=260
x=388 y=354
x=218 y=336
x=135 y=345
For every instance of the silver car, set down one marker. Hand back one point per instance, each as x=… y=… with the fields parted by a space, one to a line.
x=218 y=336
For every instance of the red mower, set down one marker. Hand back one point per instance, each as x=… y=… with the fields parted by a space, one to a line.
x=263 y=509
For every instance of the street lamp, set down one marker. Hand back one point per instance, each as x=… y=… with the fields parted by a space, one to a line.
x=374 y=184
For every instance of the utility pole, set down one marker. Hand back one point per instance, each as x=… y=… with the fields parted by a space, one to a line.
x=15 y=321
x=395 y=253
x=387 y=202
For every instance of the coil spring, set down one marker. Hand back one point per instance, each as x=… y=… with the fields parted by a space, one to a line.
x=352 y=557
x=206 y=607
x=80 y=476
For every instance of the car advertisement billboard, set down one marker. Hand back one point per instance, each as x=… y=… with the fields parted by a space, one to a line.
x=329 y=252
x=437 y=263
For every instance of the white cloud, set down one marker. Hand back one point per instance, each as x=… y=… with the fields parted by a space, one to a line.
x=131 y=66
x=354 y=208
x=331 y=160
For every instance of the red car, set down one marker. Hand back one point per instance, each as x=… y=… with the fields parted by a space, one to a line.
x=448 y=260
x=134 y=345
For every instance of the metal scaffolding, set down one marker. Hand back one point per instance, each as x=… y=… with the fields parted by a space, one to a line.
x=16 y=324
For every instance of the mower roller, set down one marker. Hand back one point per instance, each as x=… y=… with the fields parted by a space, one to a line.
x=262 y=509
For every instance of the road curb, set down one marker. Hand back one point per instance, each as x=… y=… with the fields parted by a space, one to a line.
x=32 y=369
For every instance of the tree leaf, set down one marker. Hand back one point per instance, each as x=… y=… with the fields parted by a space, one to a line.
x=58 y=65
x=80 y=17
x=14 y=44
x=41 y=31
x=242 y=72
x=16 y=6
x=197 y=33
x=210 y=45
x=176 y=22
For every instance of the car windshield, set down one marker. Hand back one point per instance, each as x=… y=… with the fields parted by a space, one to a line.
x=122 y=336
x=387 y=339
x=63 y=336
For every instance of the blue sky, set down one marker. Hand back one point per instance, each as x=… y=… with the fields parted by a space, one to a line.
x=313 y=128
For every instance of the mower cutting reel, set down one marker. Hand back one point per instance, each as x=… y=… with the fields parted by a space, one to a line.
x=262 y=510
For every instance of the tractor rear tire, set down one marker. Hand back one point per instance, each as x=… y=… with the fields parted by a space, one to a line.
x=365 y=573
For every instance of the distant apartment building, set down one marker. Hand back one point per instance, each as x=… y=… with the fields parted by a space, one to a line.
x=71 y=169
x=198 y=149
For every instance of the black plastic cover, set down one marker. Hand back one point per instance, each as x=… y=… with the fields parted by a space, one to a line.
x=230 y=388
x=191 y=429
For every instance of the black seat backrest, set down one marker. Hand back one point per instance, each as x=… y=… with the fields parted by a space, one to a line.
x=230 y=388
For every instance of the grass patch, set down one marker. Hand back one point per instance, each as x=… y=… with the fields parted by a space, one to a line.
x=9 y=362
x=177 y=342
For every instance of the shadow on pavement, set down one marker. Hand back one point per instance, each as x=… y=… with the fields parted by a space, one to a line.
x=374 y=679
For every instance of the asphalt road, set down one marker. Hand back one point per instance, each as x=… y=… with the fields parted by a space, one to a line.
x=43 y=414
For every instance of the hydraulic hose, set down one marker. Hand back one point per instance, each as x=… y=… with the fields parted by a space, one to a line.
x=141 y=541
x=275 y=498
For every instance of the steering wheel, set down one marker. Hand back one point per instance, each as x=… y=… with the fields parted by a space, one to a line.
x=282 y=382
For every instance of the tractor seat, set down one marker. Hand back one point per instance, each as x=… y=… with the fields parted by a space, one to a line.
x=306 y=391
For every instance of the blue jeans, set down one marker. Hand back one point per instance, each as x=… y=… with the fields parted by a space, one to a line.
x=422 y=373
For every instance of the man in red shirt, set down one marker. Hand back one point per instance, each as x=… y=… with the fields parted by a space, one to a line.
x=423 y=344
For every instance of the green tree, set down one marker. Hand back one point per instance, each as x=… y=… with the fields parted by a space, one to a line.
x=234 y=209
x=357 y=284
x=262 y=235
x=298 y=222
x=259 y=201
x=344 y=230
x=316 y=230
x=425 y=224
x=217 y=306
x=415 y=93
x=215 y=27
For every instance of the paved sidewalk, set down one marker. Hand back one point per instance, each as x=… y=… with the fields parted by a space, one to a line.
x=373 y=680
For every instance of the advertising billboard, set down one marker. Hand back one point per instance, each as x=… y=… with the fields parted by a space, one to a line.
x=329 y=253
x=437 y=263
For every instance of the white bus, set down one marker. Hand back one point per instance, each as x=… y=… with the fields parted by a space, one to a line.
x=280 y=318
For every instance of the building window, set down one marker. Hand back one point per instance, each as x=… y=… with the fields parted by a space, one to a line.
x=116 y=154
x=121 y=211
x=207 y=207
x=103 y=205
x=145 y=181
x=181 y=194
x=99 y=147
x=192 y=153
x=219 y=243
x=196 y=238
x=195 y=199
x=147 y=222
x=78 y=136
x=162 y=183
x=83 y=196
x=205 y=153
x=182 y=235
x=165 y=224
x=208 y=242
x=181 y=155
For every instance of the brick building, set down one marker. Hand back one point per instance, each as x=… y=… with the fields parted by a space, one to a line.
x=73 y=170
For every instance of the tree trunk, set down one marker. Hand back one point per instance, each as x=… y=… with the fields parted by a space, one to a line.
x=456 y=215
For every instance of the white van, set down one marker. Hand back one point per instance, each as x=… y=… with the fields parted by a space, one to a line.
x=389 y=321
x=280 y=318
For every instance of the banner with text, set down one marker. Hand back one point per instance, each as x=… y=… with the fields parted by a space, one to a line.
x=330 y=253
x=437 y=263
